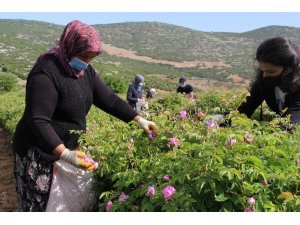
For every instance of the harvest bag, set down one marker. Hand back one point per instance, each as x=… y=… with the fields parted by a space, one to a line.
x=71 y=189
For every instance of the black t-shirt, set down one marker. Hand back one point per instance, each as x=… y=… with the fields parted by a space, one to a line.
x=186 y=89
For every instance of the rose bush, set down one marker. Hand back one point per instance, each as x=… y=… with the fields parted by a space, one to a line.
x=261 y=161
x=208 y=175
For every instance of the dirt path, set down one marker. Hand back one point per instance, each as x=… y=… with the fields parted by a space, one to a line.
x=8 y=197
x=124 y=53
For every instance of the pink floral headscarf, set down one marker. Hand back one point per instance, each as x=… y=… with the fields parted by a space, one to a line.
x=77 y=38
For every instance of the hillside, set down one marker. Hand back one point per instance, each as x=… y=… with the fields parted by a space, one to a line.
x=145 y=47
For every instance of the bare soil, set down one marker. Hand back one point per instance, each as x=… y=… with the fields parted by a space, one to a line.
x=206 y=85
x=8 y=196
x=120 y=52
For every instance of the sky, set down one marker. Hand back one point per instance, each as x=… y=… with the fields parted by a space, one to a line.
x=202 y=15
x=202 y=21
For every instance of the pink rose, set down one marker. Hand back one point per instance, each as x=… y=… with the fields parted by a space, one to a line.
x=168 y=192
x=151 y=137
x=174 y=142
x=248 y=210
x=166 y=178
x=211 y=124
x=182 y=114
x=95 y=164
x=251 y=201
x=122 y=197
x=248 y=137
x=108 y=206
x=230 y=142
x=150 y=191
x=201 y=114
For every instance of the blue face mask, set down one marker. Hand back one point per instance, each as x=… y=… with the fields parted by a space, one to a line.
x=77 y=64
x=139 y=86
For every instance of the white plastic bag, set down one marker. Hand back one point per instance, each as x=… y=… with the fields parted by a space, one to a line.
x=71 y=189
x=141 y=105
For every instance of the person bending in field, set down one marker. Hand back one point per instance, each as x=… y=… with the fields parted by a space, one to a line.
x=277 y=79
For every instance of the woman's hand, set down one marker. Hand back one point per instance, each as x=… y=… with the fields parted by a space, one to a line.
x=148 y=126
x=78 y=159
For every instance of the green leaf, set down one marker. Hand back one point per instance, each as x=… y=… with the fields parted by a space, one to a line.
x=230 y=175
x=256 y=162
x=146 y=206
x=201 y=184
x=221 y=198
x=286 y=196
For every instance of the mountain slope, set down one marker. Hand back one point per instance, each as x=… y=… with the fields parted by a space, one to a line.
x=21 y=41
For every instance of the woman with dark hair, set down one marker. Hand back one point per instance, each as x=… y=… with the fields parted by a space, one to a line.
x=61 y=88
x=277 y=81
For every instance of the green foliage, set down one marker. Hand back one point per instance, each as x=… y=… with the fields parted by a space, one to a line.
x=208 y=172
x=23 y=41
x=8 y=82
x=11 y=109
x=116 y=84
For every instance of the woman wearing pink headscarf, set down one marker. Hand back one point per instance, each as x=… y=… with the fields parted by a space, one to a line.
x=61 y=87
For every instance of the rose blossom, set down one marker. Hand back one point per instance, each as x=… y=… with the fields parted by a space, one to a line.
x=211 y=124
x=230 y=142
x=248 y=137
x=166 y=178
x=168 y=192
x=174 y=142
x=150 y=191
x=201 y=114
x=251 y=201
x=151 y=137
x=108 y=206
x=122 y=197
x=182 y=114
x=248 y=210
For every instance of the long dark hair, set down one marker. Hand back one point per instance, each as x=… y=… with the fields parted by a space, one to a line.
x=281 y=51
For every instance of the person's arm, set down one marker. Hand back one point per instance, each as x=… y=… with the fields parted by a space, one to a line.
x=252 y=101
x=191 y=92
x=191 y=96
x=108 y=101
x=41 y=99
x=105 y=99
x=294 y=108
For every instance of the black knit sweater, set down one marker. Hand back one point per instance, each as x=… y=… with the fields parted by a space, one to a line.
x=57 y=103
x=259 y=93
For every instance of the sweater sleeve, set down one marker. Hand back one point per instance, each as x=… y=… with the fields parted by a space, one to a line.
x=252 y=101
x=294 y=108
x=41 y=99
x=105 y=99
